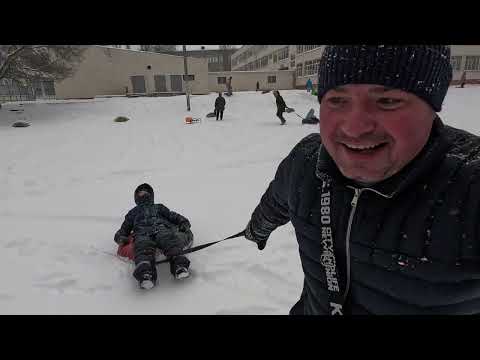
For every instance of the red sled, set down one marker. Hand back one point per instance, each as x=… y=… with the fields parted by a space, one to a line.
x=128 y=250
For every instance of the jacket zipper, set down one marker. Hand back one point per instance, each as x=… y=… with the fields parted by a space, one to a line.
x=354 y=202
x=349 y=229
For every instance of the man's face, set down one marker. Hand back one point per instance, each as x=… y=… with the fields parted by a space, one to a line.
x=371 y=131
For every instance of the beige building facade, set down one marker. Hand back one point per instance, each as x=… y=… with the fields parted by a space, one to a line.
x=112 y=71
x=247 y=80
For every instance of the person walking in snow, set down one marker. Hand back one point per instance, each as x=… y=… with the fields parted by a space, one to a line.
x=257 y=87
x=281 y=106
x=219 y=106
x=154 y=227
x=463 y=79
x=385 y=200
x=229 y=86
x=309 y=85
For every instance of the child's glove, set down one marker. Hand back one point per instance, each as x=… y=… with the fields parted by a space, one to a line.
x=120 y=239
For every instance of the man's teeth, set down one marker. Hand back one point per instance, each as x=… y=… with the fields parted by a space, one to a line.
x=362 y=147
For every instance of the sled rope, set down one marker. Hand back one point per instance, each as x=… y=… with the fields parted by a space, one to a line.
x=203 y=246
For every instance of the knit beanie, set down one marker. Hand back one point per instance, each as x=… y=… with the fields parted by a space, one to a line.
x=423 y=70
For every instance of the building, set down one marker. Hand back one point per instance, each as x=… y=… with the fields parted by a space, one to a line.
x=116 y=71
x=304 y=59
x=247 y=80
x=218 y=59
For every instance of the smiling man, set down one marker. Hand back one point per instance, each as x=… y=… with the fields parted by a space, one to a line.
x=385 y=201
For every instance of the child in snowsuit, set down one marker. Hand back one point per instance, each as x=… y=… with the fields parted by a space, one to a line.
x=219 y=106
x=155 y=227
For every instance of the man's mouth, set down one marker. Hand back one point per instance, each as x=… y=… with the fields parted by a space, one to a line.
x=364 y=148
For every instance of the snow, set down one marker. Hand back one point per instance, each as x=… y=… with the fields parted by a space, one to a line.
x=67 y=181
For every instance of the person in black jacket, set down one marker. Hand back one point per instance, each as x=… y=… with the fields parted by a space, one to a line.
x=385 y=201
x=219 y=106
x=281 y=106
x=155 y=227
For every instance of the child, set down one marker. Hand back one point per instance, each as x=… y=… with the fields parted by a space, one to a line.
x=155 y=227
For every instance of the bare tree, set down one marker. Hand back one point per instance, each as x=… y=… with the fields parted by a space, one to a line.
x=49 y=62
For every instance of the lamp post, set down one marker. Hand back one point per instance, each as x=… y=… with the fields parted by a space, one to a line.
x=187 y=89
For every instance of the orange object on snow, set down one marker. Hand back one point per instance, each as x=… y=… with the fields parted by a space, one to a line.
x=188 y=119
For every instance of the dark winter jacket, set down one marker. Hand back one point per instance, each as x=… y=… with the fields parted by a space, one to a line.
x=220 y=103
x=148 y=218
x=280 y=103
x=414 y=238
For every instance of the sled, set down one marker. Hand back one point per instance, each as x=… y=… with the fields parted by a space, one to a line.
x=191 y=120
x=159 y=256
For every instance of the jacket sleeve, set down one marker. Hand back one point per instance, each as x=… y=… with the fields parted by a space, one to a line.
x=172 y=216
x=273 y=209
x=126 y=227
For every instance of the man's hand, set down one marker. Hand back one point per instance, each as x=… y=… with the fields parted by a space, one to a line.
x=261 y=241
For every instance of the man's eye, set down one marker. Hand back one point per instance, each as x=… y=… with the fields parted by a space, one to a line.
x=336 y=101
x=389 y=103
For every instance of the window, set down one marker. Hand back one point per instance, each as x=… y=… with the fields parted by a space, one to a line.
x=316 y=62
x=456 y=62
x=299 y=49
x=220 y=59
x=283 y=53
x=292 y=64
x=264 y=61
x=308 y=67
x=271 y=79
x=310 y=47
x=270 y=56
x=274 y=58
x=472 y=62
x=221 y=80
x=213 y=60
x=299 y=69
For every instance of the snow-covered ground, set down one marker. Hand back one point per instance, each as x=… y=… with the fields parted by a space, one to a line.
x=67 y=181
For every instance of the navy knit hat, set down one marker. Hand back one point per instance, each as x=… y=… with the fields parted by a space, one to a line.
x=423 y=70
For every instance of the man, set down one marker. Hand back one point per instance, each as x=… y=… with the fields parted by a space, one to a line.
x=281 y=106
x=219 y=106
x=385 y=201
x=463 y=79
x=154 y=227
x=229 y=86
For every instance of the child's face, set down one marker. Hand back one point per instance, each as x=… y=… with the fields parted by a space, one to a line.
x=142 y=193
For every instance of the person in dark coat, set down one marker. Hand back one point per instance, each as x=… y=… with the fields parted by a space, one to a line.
x=281 y=106
x=463 y=79
x=219 y=106
x=385 y=200
x=258 y=86
x=155 y=227
x=229 y=86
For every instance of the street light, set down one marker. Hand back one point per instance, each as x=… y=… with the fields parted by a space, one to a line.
x=187 y=89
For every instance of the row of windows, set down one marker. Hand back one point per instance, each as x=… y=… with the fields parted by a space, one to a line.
x=303 y=48
x=272 y=79
x=215 y=59
x=472 y=63
x=309 y=68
